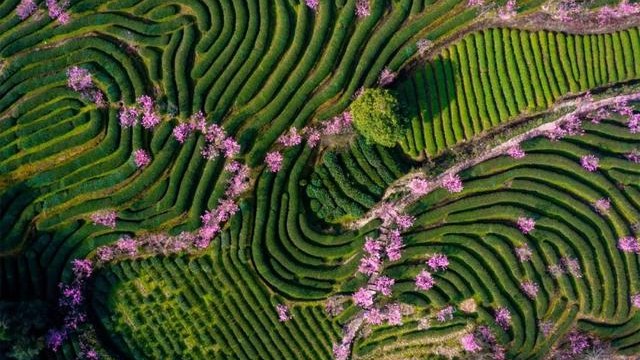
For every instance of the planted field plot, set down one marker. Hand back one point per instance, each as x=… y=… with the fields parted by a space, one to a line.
x=590 y=288
x=493 y=76
x=347 y=183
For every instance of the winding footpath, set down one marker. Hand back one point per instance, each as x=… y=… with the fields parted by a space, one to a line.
x=583 y=107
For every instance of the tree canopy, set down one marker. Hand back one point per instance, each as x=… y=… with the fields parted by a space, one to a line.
x=376 y=116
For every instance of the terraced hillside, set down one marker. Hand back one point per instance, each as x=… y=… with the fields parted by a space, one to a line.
x=477 y=230
x=494 y=76
x=257 y=69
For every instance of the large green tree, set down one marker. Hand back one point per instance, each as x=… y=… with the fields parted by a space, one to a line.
x=376 y=115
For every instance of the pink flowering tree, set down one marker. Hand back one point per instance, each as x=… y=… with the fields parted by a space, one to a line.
x=526 y=224
x=438 y=262
x=452 y=183
x=79 y=79
x=445 y=314
x=508 y=11
x=529 y=288
x=312 y=4
x=105 y=218
x=25 y=9
x=502 y=316
x=635 y=301
x=387 y=77
x=424 y=281
x=283 y=313
x=290 y=138
x=141 y=158
x=589 y=163
x=629 y=244
x=274 y=161
x=469 y=343
x=523 y=253
x=57 y=11
x=362 y=8
x=602 y=205
x=418 y=187
x=516 y=152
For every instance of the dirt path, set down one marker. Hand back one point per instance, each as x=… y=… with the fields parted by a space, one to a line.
x=400 y=185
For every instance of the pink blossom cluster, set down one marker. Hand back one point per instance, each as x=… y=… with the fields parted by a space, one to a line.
x=607 y=14
x=312 y=4
x=633 y=156
x=105 y=218
x=545 y=327
x=70 y=303
x=599 y=115
x=508 y=11
x=418 y=186
x=445 y=314
x=635 y=301
x=141 y=158
x=383 y=284
x=80 y=80
x=290 y=138
x=629 y=244
x=391 y=313
x=452 y=183
x=474 y=3
x=213 y=220
x=571 y=126
x=239 y=181
x=334 y=306
x=312 y=135
x=489 y=340
x=530 y=288
x=438 y=261
x=602 y=205
x=283 y=313
x=526 y=224
x=58 y=11
x=217 y=142
x=363 y=297
x=523 y=253
x=589 y=162
x=572 y=266
x=143 y=111
x=391 y=217
x=26 y=8
x=634 y=124
x=129 y=248
x=362 y=8
x=556 y=270
x=516 y=152
x=469 y=343
x=338 y=125
x=622 y=107
x=424 y=281
x=341 y=351
x=387 y=77
x=274 y=160
x=502 y=317
x=566 y=10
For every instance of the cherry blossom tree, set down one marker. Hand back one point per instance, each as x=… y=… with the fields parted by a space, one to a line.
x=508 y=11
x=526 y=224
x=290 y=138
x=105 y=218
x=418 y=187
x=635 y=301
x=530 y=288
x=452 y=183
x=445 y=314
x=312 y=4
x=387 y=77
x=589 y=162
x=438 y=261
x=602 y=205
x=383 y=285
x=274 y=161
x=141 y=158
x=502 y=316
x=26 y=8
x=469 y=343
x=283 y=313
x=362 y=8
x=523 y=253
x=424 y=281
x=629 y=244
x=363 y=297
x=516 y=152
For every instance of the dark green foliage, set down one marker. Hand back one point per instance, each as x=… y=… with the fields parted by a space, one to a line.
x=376 y=116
